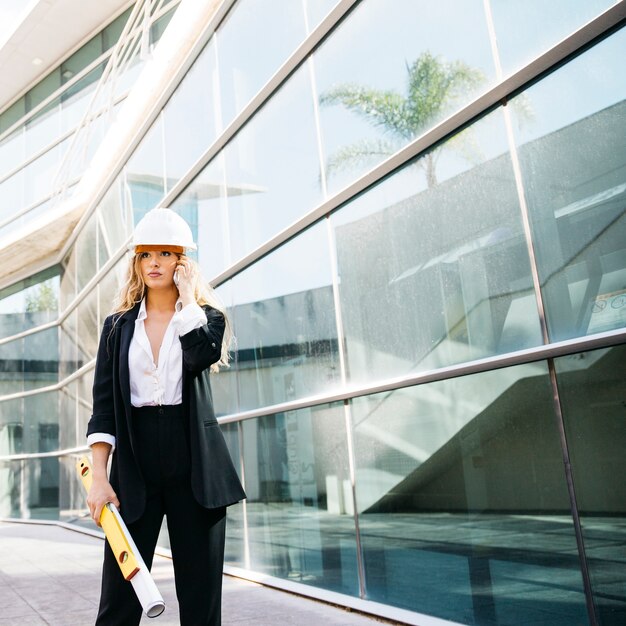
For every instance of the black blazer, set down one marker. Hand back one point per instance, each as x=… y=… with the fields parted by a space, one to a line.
x=214 y=480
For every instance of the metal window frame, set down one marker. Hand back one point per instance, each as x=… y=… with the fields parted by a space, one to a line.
x=59 y=92
x=568 y=48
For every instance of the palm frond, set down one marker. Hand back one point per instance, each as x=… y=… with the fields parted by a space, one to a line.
x=385 y=109
x=359 y=154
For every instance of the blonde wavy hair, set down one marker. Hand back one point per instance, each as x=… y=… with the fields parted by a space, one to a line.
x=134 y=290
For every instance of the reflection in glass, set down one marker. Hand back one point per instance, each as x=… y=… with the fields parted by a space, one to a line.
x=29 y=362
x=284 y=322
x=11 y=438
x=67 y=416
x=69 y=360
x=194 y=99
x=41 y=358
x=272 y=167
x=108 y=289
x=432 y=275
x=296 y=466
x=86 y=250
x=145 y=171
x=39 y=175
x=67 y=291
x=205 y=200
x=30 y=302
x=244 y=69
x=30 y=489
x=374 y=99
x=464 y=510
x=76 y=99
x=115 y=221
x=526 y=28
x=88 y=331
x=11 y=151
x=574 y=167
x=43 y=129
x=11 y=196
x=591 y=389
x=83 y=397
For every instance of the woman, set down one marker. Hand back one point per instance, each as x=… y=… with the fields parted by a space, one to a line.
x=152 y=408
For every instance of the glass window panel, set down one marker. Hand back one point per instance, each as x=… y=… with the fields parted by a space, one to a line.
x=68 y=348
x=86 y=251
x=11 y=412
x=116 y=220
x=194 y=99
x=375 y=98
x=463 y=507
x=11 y=151
x=84 y=404
x=205 y=200
x=315 y=11
x=97 y=129
x=30 y=489
x=85 y=55
x=526 y=28
x=29 y=303
x=88 y=331
x=30 y=362
x=39 y=175
x=72 y=496
x=127 y=79
x=11 y=115
x=41 y=359
x=244 y=69
x=43 y=89
x=433 y=267
x=573 y=163
x=158 y=27
x=68 y=405
x=76 y=99
x=11 y=367
x=43 y=129
x=11 y=198
x=41 y=422
x=591 y=389
x=272 y=167
x=111 y=34
x=296 y=464
x=235 y=547
x=224 y=385
x=108 y=288
x=284 y=321
x=67 y=291
x=145 y=171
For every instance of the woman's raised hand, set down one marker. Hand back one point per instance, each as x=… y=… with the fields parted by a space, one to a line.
x=187 y=275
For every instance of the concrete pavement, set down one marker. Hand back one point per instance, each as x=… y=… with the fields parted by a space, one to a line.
x=51 y=575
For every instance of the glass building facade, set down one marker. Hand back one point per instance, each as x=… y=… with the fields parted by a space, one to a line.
x=415 y=214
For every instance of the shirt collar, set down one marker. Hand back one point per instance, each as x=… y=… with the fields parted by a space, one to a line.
x=143 y=314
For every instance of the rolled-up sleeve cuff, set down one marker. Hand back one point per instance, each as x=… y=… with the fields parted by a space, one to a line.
x=191 y=317
x=101 y=438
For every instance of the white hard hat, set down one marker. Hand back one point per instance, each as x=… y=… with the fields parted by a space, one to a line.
x=163 y=227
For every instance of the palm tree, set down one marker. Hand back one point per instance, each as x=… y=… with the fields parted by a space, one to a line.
x=434 y=87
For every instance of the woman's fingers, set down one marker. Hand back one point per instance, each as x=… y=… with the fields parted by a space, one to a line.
x=99 y=494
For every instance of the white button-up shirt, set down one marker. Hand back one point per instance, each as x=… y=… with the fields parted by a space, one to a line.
x=151 y=383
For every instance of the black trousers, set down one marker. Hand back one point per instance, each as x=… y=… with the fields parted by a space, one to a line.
x=196 y=534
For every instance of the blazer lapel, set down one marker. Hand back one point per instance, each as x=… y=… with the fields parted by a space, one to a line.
x=127 y=328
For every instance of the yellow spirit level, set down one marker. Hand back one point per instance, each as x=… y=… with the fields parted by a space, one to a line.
x=126 y=553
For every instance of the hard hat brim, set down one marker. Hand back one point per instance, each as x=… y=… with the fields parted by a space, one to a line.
x=159 y=248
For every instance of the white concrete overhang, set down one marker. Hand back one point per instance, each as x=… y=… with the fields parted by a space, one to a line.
x=45 y=33
x=41 y=242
